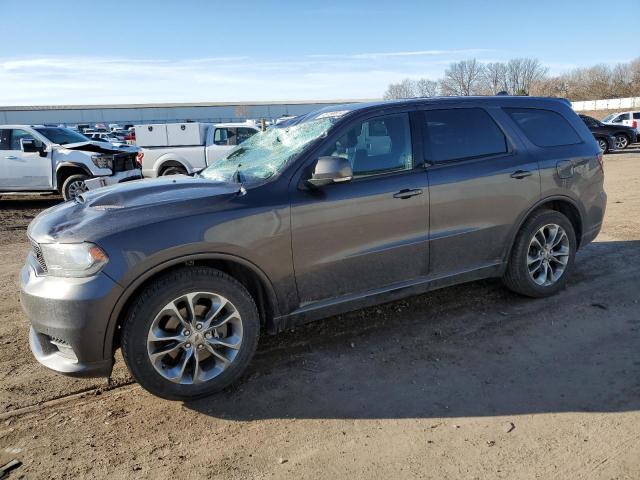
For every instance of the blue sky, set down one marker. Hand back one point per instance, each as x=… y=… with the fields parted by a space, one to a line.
x=79 y=52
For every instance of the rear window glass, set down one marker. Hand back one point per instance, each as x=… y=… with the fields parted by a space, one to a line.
x=544 y=128
x=461 y=133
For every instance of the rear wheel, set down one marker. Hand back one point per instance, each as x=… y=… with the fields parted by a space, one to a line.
x=174 y=170
x=604 y=146
x=543 y=255
x=622 y=141
x=190 y=333
x=73 y=186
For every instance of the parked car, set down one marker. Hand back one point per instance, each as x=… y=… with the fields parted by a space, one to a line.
x=39 y=158
x=184 y=148
x=622 y=135
x=106 y=138
x=306 y=221
x=630 y=119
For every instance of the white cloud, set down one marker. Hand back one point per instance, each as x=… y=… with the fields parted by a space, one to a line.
x=54 y=80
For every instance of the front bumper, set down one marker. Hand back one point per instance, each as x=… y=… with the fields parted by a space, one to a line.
x=117 y=177
x=69 y=318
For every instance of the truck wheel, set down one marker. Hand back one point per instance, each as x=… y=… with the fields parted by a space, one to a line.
x=174 y=171
x=543 y=254
x=190 y=333
x=74 y=186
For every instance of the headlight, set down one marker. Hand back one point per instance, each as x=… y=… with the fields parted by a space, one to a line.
x=73 y=259
x=102 y=161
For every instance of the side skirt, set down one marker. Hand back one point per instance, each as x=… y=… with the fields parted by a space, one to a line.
x=397 y=291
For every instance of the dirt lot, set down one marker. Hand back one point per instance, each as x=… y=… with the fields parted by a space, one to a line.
x=467 y=382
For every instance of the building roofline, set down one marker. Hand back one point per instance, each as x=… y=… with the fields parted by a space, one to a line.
x=178 y=105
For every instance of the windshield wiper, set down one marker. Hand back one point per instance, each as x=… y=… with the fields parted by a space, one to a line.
x=237 y=175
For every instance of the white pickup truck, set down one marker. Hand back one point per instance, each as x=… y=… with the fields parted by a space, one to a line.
x=184 y=148
x=38 y=158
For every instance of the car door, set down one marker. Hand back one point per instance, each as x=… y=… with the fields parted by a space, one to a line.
x=480 y=182
x=23 y=170
x=369 y=233
x=222 y=140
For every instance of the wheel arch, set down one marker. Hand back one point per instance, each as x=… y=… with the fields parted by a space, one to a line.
x=65 y=169
x=247 y=273
x=559 y=203
x=170 y=160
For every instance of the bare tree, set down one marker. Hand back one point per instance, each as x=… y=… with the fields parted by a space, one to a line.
x=495 y=78
x=522 y=73
x=404 y=89
x=523 y=76
x=426 y=88
x=462 y=78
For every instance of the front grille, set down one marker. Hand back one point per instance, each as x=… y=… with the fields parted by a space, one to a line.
x=37 y=251
x=123 y=162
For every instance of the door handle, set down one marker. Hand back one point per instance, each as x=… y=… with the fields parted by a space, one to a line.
x=521 y=174
x=407 y=193
x=11 y=157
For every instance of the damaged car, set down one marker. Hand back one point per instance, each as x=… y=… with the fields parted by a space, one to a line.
x=37 y=158
x=342 y=208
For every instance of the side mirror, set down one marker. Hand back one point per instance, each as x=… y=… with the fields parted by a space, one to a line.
x=330 y=170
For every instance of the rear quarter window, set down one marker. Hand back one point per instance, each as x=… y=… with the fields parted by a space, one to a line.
x=544 y=128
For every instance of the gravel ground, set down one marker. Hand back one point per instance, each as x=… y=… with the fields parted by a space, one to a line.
x=466 y=382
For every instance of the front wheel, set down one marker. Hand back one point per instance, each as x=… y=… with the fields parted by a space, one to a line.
x=73 y=186
x=190 y=333
x=543 y=255
x=604 y=146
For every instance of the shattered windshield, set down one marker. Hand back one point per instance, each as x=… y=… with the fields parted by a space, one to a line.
x=266 y=153
x=61 y=136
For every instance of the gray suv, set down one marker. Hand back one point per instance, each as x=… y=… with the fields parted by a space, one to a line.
x=343 y=208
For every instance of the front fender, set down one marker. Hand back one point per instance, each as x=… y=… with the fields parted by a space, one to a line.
x=133 y=287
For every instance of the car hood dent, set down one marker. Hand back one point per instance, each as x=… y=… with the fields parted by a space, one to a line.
x=96 y=214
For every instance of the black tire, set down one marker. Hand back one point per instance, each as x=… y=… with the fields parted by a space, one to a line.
x=517 y=277
x=603 y=144
x=622 y=141
x=174 y=170
x=149 y=303
x=70 y=187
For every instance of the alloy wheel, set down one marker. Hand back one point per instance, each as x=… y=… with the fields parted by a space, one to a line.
x=621 y=142
x=194 y=338
x=76 y=188
x=548 y=254
x=602 y=143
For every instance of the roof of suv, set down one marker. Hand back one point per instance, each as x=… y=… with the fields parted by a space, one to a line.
x=502 y=100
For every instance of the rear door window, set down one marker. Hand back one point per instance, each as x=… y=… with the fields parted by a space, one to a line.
x=544 y=128
x=636 y=116
x=5 y=139
x=461 y=133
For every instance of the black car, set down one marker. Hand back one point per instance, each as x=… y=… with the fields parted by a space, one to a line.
x=622 y=135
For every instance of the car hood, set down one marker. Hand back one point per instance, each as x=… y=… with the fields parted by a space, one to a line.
x=99 y=213
x=97 y=147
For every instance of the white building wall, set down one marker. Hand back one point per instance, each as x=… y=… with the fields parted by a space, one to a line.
x=631 y=103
